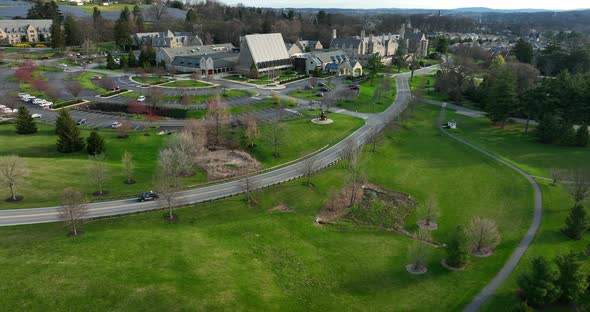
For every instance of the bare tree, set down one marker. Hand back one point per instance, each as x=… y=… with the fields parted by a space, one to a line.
x=107 y=83
x=128 y=166
x=186 y=100
x=158 y=10
x=198 y=133
x=483 y=236
x=169 y=166
x=73 y=209
x=429 y=213
x=168 y=196
x=184 y=152
x=98 y=171
x=418 y=253
x=313 y=81
x=579 y=184
x=13 y=171
x=276 y=136
x=154 y=97
x=356 y=175
x=375 y=139
x=251 y=130
x=308 y=169
x=74 y=88
x=556 y=176
x=218 y=117
x=247 y=183
x=124 y=129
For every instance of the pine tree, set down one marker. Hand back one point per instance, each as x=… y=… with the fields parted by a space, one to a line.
x=131 y=59
x=572 y=281
x=548 y=130
x=111 y=62
x=582 y=136
x=57 y=36
x=523 y=51
x=457 y=249
x=567 y=135
x=68 y=134
x=72 y=34
x=538 y=285
x=25 y=124
x=95 y=144
x=121 y=30
x=576 y=223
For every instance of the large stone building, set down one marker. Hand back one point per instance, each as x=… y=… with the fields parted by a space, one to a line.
x=167 y=55
x=262 y=53
x=17 y=31
x=334 y=62
x=361 y=48
x=207 y=64
x=166 y=39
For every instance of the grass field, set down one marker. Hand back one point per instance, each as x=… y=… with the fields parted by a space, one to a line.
x=188 y=84
x=310 y=94
x=425 y=83
x=198 y=99
x=148 y=80
x=364 y=102
x=85 y=79
x=226 y=256
x=108 y=8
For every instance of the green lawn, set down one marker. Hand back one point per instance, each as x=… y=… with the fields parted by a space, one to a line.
x=364 y=102
x=198 y=99
x=266 y=103
x=148 y=80
x=85 y=79
x=425 y=83
x=108 y=8
x=519 y=148
x=309 y=94
x=226 y=256
x=53 y=171
x=188 y=84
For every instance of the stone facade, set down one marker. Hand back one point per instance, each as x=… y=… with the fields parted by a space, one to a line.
x=17 y=31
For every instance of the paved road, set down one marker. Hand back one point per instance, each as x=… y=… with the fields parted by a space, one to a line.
x=509 y=266
x=323 y=159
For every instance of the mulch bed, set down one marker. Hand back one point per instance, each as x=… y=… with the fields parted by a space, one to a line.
x=130 y=182
x=14 y=200
x=411 y=270
x=174 y=218
x=443 y=262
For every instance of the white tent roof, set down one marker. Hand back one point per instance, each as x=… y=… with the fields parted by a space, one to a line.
x=267 y=47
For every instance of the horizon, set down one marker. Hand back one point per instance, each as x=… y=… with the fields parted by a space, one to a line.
x=415 y=4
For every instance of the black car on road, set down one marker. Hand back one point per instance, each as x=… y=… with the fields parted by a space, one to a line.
x=147 y=196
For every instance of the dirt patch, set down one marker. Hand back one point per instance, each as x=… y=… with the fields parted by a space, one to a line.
x=279 y=208
x=431 y=226
x=482 y=253
x=443 y=262
x=225 y=164
x=416 y=270
x=15 y=199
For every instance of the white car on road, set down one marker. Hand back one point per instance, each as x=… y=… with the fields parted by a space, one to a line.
x=116 y=124
x=141 y=98
x=36 y=116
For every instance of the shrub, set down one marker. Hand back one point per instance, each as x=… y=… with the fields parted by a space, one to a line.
x=95 y=144
x=576 y=222
x=582 y=136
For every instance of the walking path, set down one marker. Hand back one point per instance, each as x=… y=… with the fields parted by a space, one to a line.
x=509 y=266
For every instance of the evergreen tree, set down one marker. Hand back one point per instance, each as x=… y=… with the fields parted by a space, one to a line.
x=73 y=36
x=548 y=129
x=572 y=281
x=57 y=35
x=523 y=51
x=111 y=62
x=442 y=45
x=191 y=16
x=124 y=64
x=68 y=134
x=538 y=284
x=96 y=15
x=457 y=249
x=138 y=16
x=582 y=136
x=125 y=14
x=121 y=30
x=95 y=144
x=131 y=60
x=44 y=10
x=501 y=94
x=25 y=124
x=576 y=223
x=567 y=135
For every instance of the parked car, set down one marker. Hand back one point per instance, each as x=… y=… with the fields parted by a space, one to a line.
x=38 y=101
x=96 y=78
x=36 y=116
x=115 y=88
x=141 y=98
x=147 y=196
x=319 y=94
x=82 y=121
x=63 y=65
x=326 y=89
x=116 y=124
x=321 y=84
x=353 y=87
x=308 y=87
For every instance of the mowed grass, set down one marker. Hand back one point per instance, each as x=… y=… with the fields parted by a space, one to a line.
x=227 y=256
x=148 y=80
x=311 y=94
x=366 y=102
x=85 y=79
x=188 y=84
x=301 y=137
x=519 y=148
x=52 y=171
x=425 y=83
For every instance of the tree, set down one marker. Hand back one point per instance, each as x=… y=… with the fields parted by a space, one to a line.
x=157 y=10
x=121 y=32
x=191 y=17
x=538 y=284
x=124 y=129
x=356 y=174
x=218 y=117
x=548 y=129
x=457 y=249
x=169 y=198
x=442 y=45
x=198 y=134
x=57 y=36
x=186 y=100
x=248 y=183
x=138 y=15
x=72 y=33
x=276 y=135
x=523 y=51
x=483 y=236
x=74 y=88
x=169 y=166
x=251 y=130
x=375 y=64
x=572 y=281
x=73 y=210
x=98 y=171
x=128 y=166
x=25 y=124
x=131 y=59
x=95 y=144
x=111 y=62
x=185 y=151
x=582 y=136
x=556 y=176
x=430 y=213
x=154 y=97
x=308 y=168
x=68 y=133
x=418 y=253
x=579 y=184
x=576 y=223
x=13 y=171
x=500 y=95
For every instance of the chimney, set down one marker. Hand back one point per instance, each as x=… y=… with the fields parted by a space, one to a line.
x=334 y=33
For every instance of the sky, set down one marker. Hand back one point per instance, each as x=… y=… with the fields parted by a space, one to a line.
x=418 y=4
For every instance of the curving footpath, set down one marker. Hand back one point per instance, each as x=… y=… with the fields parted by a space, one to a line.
x=323 y=159
x=509 y=266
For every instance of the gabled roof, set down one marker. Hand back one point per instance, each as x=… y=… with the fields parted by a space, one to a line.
x=266 y=47
x=198 y=50
x=224 y=59
x=345 y=42
x=18 y=23
x=331 y=56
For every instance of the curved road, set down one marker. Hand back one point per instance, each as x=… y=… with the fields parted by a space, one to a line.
x=509 y=266
x=323 y=159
